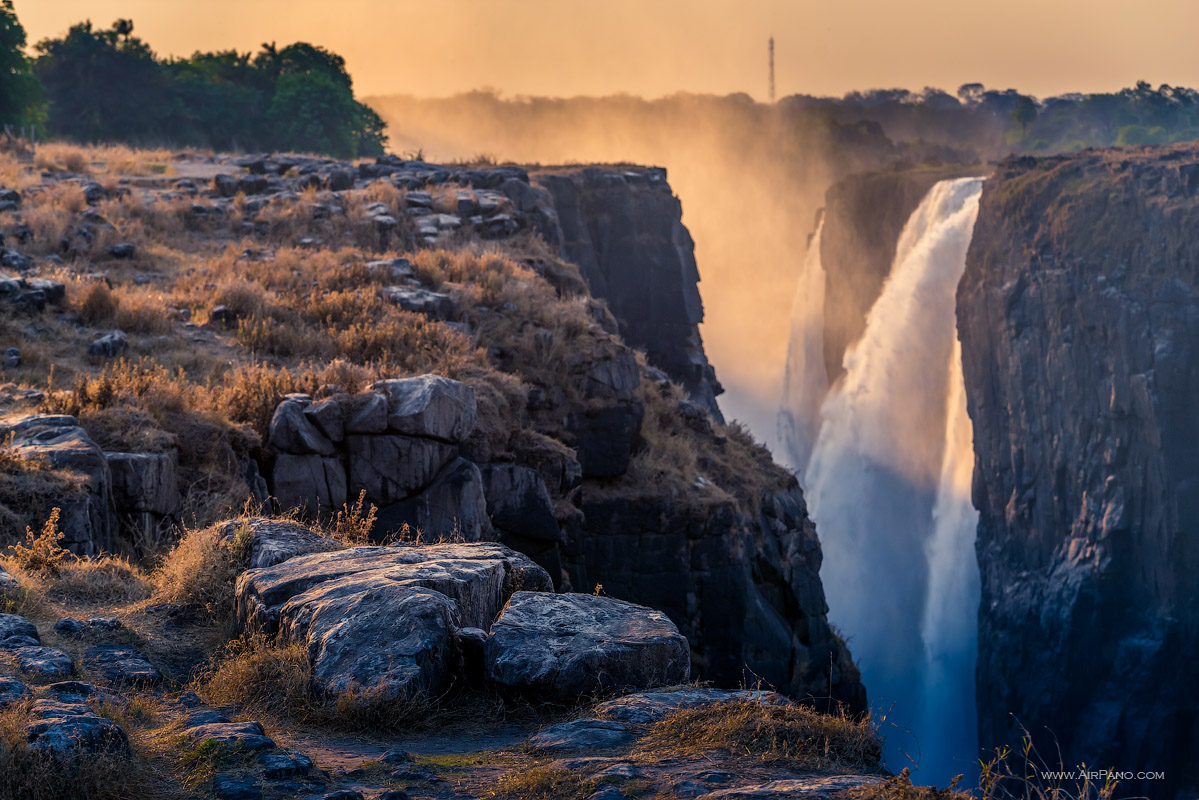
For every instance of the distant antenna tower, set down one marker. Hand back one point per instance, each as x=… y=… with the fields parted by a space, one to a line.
x=772 y=69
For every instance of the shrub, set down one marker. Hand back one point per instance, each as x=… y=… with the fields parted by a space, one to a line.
x=42 y=552
x=354 y=524
x=202 y=569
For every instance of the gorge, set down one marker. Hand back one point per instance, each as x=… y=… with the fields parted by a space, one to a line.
x=1076 y=315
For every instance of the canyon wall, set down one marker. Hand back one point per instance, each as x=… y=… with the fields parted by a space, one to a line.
x=1079 y=321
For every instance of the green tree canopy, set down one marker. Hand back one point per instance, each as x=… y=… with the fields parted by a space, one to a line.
x=109 y=85
x=19 y=89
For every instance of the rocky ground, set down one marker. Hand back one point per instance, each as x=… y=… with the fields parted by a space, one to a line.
x=329 y=477
x=441 y=671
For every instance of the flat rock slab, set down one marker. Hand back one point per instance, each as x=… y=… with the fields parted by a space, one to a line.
x=122 y=665
x=478 y=576
x=274 y=541
x=564 y=646
x=235 y=735
x=647 y=707
x=44 y=663
x=383 y=619
x=582 y=734
x=66 y=728
x=815 y=788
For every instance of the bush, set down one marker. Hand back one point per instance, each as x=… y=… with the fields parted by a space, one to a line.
x=202 y=569
x=42 y=552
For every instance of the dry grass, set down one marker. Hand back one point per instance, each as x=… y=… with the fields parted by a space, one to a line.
x=30 y=775
x=29 y=485
x=274 y=680
x=111 y=159
x=785 y=735
x=201 y=571
x=544 y=783
x=354 y=524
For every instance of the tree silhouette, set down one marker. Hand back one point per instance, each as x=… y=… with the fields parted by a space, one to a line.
x=19 y=90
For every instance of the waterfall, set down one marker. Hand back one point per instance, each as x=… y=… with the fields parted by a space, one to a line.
x=888 y=485
x=805 y=381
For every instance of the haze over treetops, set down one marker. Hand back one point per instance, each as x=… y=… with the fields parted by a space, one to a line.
x=653 y=48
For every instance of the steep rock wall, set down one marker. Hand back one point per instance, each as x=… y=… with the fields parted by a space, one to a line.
x=743 y=587
x=624 y=230
x=1079 y=321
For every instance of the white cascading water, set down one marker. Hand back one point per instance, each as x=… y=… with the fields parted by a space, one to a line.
x=805 y=380
x=888 y=484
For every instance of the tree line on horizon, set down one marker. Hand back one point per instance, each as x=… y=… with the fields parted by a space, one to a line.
x=107 y=85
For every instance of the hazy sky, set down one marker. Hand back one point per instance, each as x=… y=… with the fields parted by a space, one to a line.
x=654 y=47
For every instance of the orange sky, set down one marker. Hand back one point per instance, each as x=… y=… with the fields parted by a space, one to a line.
x=654 y=47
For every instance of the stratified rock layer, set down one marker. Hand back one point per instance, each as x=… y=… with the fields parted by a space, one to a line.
x=1079 y=321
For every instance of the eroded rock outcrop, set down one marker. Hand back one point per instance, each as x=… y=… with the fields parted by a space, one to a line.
x=743 y=587
x=1079 y=321
x=400 y=443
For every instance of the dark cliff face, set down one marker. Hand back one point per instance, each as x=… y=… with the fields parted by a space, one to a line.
x=748 y=595
x=864 y=215
x=739 y=575
x=624 y=229
x=1079 y=321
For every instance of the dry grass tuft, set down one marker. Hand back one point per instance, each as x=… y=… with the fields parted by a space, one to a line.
x=274 y=679
x=544 y=783
x=354 y=524
x=786 y=735
x=96 y=581
x=202 y=569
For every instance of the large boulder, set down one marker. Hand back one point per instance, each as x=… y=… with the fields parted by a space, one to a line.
x=383 y=620
x=452 y=507
x=565 y=646
x=311 y=482
x=430 y=406
x=383 y=640
x=145 y=482
x=86 y=520
x=392 y=467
